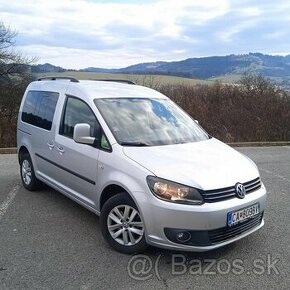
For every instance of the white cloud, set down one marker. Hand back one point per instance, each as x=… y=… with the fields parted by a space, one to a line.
x=80 y=33
x=228 y=33
x=160 y=17
x=250 y=12
x=78 y=58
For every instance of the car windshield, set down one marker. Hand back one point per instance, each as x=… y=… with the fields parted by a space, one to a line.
x=148 y=122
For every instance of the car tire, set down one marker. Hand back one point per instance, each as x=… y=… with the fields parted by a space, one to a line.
x=122 y=225
x=29 y=180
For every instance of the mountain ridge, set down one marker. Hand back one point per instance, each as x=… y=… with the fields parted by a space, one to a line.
x=230 y=66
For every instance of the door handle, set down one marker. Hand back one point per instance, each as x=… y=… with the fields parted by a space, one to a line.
x=60 y=149
x=50 y=145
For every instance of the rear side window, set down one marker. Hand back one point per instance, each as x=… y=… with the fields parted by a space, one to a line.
x=39 y=108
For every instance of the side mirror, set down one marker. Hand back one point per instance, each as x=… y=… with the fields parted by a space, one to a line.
x=82 y=134
x=196 y=121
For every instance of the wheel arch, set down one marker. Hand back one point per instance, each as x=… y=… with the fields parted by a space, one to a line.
x=22 y=150
x=111 y=190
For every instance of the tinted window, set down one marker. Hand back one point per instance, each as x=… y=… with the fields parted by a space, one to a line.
x=76 y=111
x=39 y=108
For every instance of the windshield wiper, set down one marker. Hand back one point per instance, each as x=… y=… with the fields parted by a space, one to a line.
x=134 y=144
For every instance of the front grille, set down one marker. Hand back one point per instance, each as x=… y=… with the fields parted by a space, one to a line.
x=226 y=233
x=222 y=194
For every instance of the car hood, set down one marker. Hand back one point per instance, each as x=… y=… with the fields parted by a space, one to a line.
x=208 y=164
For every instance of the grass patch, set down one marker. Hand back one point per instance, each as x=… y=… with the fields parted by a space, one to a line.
x=147 y=80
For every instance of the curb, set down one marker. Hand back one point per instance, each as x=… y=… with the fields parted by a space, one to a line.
x=259 y=144
x=13 y=150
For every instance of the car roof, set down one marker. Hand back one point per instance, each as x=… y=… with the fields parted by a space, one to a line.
x=96 y=89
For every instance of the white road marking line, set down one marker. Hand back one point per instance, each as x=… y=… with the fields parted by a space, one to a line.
x=275 y=174
x=9 y=199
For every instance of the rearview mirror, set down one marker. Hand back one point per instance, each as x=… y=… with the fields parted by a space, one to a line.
x=82 y=134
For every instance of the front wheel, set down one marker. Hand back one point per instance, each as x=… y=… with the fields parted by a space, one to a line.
x=122 y=225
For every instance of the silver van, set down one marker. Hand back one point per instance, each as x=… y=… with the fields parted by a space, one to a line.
x=132 y=156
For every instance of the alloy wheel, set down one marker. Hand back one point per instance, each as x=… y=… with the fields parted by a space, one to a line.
x=26 y=172
x=125 y=225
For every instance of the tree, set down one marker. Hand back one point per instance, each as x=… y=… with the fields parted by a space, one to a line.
x=14 y=77
x=12 y=63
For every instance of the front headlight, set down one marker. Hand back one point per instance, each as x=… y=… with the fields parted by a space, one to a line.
x=174 y=192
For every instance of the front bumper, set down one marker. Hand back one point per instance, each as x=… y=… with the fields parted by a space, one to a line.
x=160 y=215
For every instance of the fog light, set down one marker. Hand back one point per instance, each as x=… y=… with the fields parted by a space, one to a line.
x=183 y=237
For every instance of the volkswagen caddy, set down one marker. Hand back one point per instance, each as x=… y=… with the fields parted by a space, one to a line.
x=132 y=156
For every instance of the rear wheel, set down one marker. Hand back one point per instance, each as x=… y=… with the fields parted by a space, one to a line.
x=27 y=174
x=122 y=225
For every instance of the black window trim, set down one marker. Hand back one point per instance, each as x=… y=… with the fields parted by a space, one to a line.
x=98 y=146
x=40 y=91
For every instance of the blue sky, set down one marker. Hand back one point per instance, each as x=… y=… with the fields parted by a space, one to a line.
x=115 y=33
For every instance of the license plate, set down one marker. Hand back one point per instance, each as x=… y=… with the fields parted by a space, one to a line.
x=241 y=215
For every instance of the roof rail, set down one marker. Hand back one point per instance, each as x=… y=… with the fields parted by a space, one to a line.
x=116 y=80
x=53 y=78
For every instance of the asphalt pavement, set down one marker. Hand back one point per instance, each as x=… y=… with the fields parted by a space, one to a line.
x=48 y=241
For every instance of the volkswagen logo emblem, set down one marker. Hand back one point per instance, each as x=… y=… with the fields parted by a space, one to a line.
x=240 y=190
